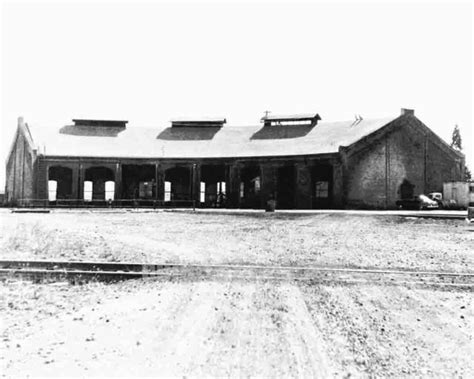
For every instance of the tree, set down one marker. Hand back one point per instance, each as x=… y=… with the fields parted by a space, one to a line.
x=467 y=174
x=456 y=141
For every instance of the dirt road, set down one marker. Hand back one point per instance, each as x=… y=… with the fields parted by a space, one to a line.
x=178 y=329
x=233 y=328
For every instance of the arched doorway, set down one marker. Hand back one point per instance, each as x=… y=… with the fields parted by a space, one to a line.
x=138 y=182
x=250 y=187
x=213 y=186
x=97 y=176
x=178 y=184
x=60 y=182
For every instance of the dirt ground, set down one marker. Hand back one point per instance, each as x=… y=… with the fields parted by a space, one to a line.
x=234 y=328
x=279 y=239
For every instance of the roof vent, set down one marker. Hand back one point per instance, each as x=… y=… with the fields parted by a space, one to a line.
x=101 y=123
x=297 y=119
x=199 y=122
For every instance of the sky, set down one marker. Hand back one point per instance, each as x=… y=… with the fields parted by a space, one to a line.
x=148 y=62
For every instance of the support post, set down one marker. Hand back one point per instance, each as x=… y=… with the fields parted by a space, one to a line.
x=303 y=186
x=267 y=183
x=233 y=185
x=118 y=181
x=81 y=182
x=338 y=185
x=196 y=184
x=75 y=182
x=160 y=182
x=47 y=185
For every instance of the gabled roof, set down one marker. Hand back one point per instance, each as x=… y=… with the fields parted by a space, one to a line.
x=203 y=142
x=21 y=129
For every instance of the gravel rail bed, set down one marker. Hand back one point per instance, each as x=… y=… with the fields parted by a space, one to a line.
x=105 y=271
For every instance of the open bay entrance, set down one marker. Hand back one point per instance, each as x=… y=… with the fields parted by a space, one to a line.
x=286 y=191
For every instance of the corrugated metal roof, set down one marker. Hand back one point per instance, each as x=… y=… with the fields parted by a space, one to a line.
x=205 y=142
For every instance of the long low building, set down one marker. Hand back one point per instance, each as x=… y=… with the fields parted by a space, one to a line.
x=299 y=161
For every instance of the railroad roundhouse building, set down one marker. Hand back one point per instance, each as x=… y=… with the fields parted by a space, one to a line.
x=299 y=161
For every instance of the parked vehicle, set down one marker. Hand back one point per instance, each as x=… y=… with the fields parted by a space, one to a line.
x=443 y=203
x=417 y=202
x=438 y=197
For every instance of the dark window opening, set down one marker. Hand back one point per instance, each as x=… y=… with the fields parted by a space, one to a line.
x=322 y=186
x=322 y=189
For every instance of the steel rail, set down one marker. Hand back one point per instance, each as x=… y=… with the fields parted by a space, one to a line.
x=140 y=267
x=115 y=271
x=80 y=276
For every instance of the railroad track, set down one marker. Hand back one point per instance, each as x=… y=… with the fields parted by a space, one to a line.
x=109 y=271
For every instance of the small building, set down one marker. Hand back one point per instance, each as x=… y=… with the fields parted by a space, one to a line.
x=299 y=161
x=461 y=193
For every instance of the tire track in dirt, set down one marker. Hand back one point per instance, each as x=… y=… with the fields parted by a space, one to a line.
x=393 y=331
x=200 y=328
x=300 y=330
x=186 y=345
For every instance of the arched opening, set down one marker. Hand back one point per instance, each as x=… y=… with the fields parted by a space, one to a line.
x=98 y=176
x=138 y=182
x=59 y=183
x=250 y=187
x=213 y=186
x=178 y=184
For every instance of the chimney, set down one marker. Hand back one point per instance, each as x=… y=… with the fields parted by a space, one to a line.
x=408 y=112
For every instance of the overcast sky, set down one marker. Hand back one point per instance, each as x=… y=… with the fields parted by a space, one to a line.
x=149 y=62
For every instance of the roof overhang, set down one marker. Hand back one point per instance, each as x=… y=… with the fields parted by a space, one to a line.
x=202 y=121
x=103 y=123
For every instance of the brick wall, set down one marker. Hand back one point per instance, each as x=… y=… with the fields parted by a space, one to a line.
x=375 y=171
x=20 y=171
x=365 y=177
x=41 y=180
